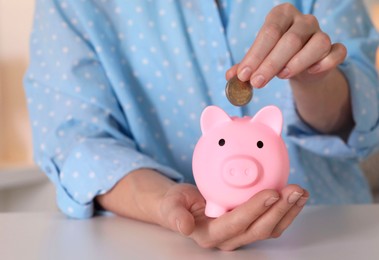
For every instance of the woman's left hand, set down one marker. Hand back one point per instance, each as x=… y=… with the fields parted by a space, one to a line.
x=289 y=45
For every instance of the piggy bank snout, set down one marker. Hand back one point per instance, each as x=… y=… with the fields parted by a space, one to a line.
x=240 y=171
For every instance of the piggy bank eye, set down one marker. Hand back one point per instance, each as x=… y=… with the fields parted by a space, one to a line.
x=221 y=142
x=260 y=144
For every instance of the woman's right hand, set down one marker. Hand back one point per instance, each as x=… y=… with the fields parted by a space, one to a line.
x=265 y=215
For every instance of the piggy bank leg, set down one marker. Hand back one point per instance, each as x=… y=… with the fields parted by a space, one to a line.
x=213 y=210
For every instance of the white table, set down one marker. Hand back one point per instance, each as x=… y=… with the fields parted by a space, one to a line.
x=344 y=232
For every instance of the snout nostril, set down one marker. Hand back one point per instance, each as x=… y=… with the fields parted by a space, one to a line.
x=240 y=172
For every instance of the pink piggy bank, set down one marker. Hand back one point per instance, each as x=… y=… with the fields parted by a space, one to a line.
x=237 y=157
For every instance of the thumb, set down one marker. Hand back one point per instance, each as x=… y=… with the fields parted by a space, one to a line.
x=180 y=218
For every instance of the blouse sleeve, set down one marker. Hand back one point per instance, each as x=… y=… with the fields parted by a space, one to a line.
x=348 y=22
x=81 y=134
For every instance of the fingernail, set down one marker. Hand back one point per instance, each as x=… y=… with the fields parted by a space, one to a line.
x=314 y=68
x=301 y=202
x=271 y=201
x=244 y=74
x=178 y=226
x=258 y=81
x=284 y=73
x=295 y=196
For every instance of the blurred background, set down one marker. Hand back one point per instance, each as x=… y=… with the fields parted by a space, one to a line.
x=22 y=186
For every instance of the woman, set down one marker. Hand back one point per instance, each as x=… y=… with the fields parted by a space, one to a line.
x=115 y=91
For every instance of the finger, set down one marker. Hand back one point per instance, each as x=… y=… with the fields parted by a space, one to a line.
x=238 y=220
x=335 y=57
x=276 y=24
x=317 y=48
x=290 y=216
x=262 y=228
x=230 y=73
x=291 y=43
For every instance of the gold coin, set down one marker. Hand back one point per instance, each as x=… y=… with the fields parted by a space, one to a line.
x=238 y=93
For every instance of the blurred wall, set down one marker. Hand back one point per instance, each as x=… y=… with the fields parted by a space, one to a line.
x=15 y=136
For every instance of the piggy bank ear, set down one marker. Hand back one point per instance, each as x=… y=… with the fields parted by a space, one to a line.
x=212 y=116
x=270 y=116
